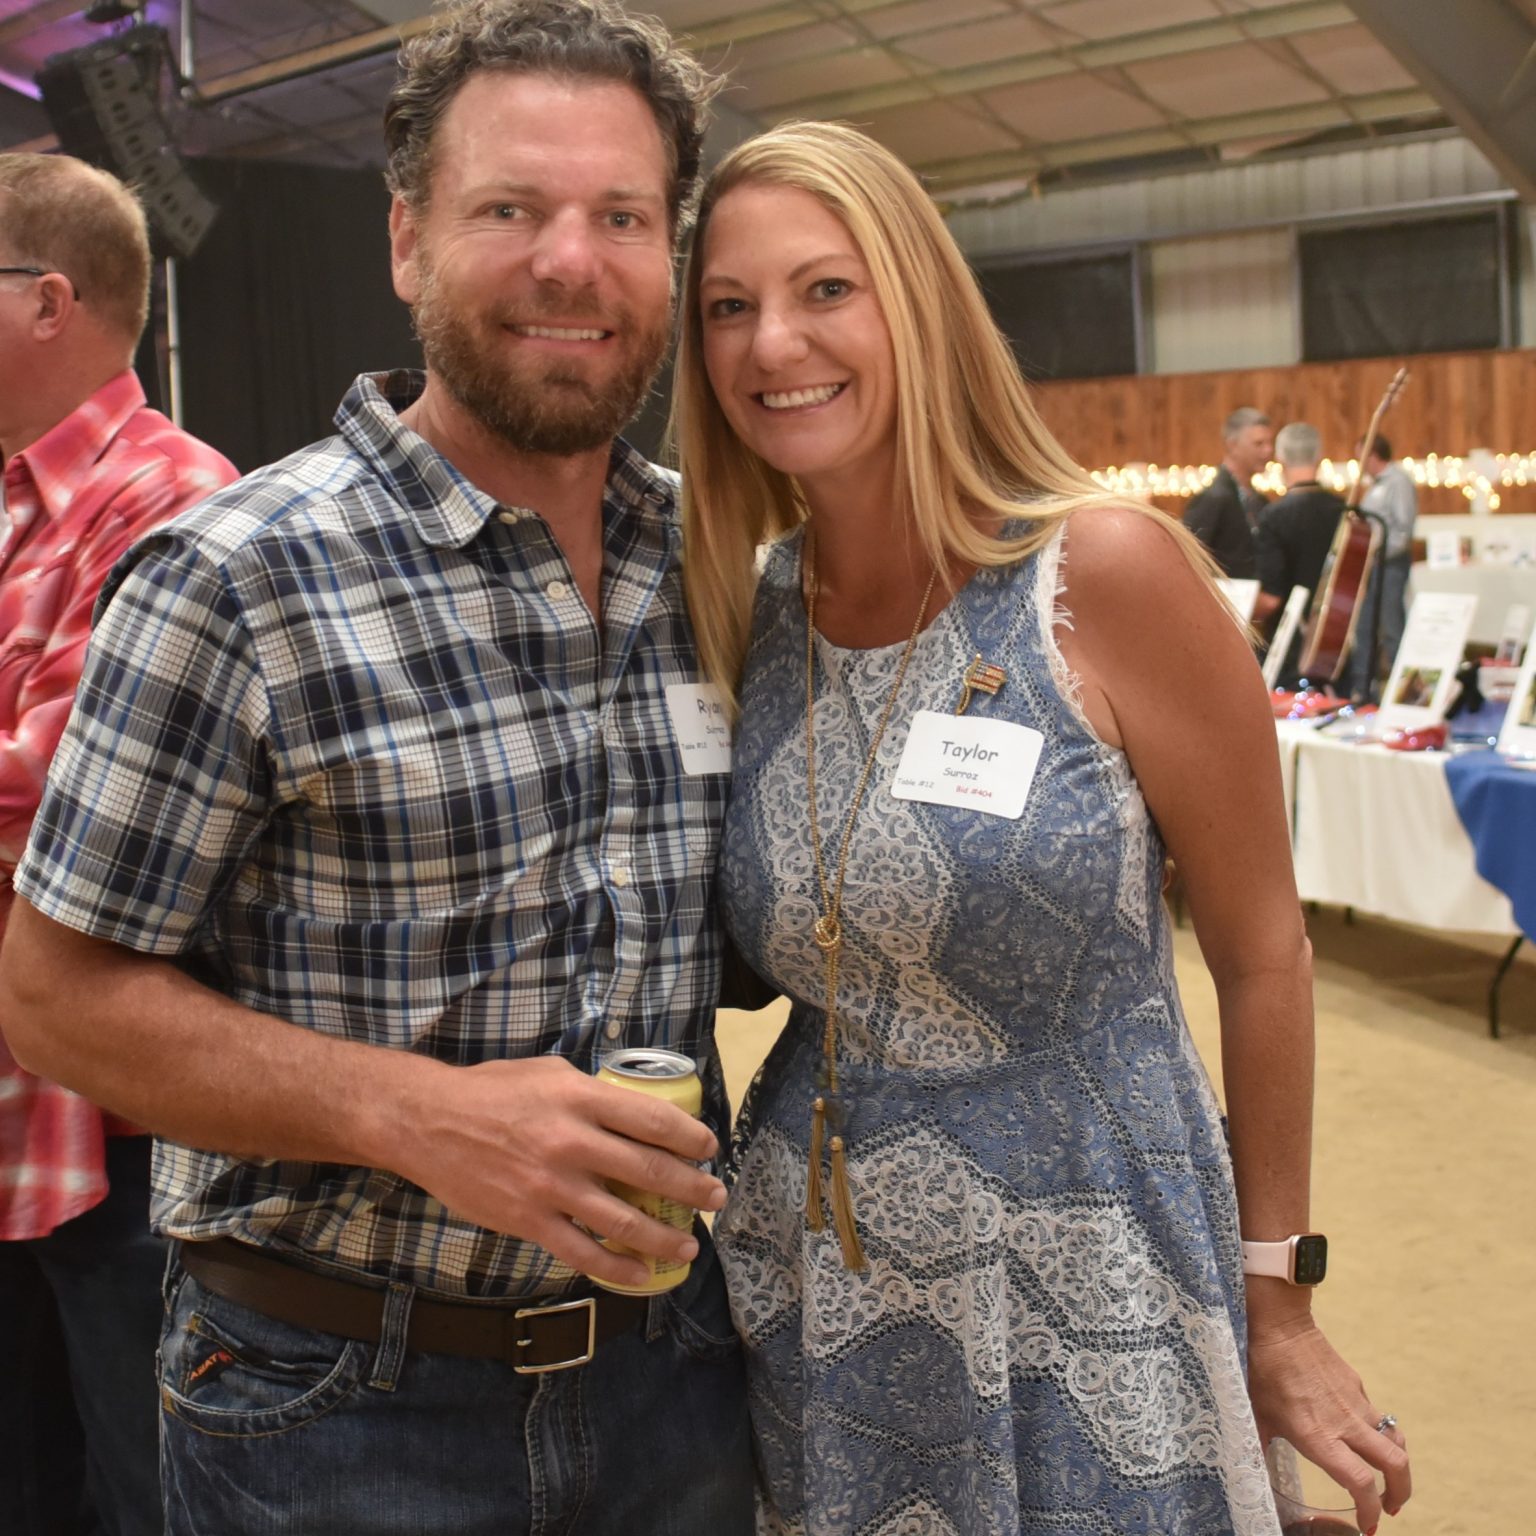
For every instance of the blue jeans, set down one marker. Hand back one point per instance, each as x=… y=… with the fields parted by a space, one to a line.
x=79 y=1315
x=268 y=1428
x=1389 y=583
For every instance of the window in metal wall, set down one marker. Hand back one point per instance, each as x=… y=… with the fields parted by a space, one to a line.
x=1072 y=318
x=1430 y=285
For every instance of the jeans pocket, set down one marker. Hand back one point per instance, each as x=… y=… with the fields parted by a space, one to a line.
x=698 y=1312
x=226 y=1370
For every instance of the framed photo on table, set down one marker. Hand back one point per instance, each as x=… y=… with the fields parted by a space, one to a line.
x=1445 y=550
x=1294 y=612
x=1517 y=624
x=1419 y=690
x=1517 y=738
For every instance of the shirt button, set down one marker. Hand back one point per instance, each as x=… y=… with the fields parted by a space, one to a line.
x=613 y=1029
x=509 y=517
x=556 y=590
x=621 y=875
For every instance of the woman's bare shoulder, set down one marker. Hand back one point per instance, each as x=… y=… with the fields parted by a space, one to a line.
x=1129 y=563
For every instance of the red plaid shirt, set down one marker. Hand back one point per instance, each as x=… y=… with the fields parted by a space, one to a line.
x=74 y=501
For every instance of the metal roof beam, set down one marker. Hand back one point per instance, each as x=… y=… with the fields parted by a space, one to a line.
x=1192 y=37
x=1482 y=70
x=1314 y=117
x=242 y=82
x=36 y=17
x=311 y=61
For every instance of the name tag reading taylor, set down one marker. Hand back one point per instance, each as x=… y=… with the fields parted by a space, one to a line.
x=698 y=721
x=968 y=761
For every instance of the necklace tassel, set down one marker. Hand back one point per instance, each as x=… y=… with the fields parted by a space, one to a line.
x=842 y=1209
x=813 y=1217
x=828 y=928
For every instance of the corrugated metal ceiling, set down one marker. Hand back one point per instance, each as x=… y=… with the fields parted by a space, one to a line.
x=985 y=97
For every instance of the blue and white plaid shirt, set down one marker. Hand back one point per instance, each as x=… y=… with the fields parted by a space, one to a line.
x=350 y=745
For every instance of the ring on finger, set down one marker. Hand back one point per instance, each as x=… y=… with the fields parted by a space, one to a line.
x=1387 y=1421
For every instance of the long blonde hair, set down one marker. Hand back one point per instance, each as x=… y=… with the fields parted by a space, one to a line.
x=970 y=446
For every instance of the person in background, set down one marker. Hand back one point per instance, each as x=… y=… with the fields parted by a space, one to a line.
x=372 y=831
x=1393 y=497
x=88 y=468
x=1225 y=515
x=984 y=1242
x=1296 y=531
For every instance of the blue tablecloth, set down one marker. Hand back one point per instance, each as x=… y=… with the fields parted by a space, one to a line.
x=1497 y=805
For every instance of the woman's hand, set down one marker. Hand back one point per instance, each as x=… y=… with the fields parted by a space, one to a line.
x=1303 y=1390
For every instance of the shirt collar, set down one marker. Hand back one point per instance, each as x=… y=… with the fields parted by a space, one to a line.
x=59 y=459
x=446 y=508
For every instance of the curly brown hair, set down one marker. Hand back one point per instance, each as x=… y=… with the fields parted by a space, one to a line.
x=580 y=39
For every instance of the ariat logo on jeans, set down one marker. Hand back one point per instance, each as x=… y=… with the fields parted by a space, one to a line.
x=210 y=1367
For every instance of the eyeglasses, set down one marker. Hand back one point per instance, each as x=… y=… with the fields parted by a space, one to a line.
x=36 y=272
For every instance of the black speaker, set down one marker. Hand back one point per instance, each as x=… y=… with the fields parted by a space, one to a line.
x=104 y=104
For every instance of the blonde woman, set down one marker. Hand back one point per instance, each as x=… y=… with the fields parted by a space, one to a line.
x=984 y=1244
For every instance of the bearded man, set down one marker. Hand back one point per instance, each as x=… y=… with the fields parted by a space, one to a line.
x=371 y=829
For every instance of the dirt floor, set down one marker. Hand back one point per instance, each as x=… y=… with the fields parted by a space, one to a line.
x=1425 y=1180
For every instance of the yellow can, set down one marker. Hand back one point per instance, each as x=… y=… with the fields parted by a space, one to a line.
x=664 y=1075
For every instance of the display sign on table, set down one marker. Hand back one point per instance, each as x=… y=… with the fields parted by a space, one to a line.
x=1294 y=612
x=1242 y=592
x=1518 y=737
x=1444 y=550
x=1517 y=625
x=1424 y=671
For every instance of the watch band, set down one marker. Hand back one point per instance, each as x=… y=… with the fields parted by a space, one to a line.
x=1268 y=1258
x=1306 y=1252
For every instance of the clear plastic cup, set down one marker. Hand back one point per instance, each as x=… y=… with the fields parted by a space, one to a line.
x=1332 y=1515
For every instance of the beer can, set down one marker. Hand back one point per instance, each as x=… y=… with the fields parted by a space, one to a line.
x=664 y=1075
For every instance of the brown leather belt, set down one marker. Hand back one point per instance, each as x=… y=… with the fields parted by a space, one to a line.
x=531 y=1336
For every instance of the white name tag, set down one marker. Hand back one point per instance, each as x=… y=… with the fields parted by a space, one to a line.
x=980 y=764
x=699 y=723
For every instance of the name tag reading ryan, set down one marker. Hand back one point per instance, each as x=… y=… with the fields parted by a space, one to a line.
x=699 y=723
x=968 y=761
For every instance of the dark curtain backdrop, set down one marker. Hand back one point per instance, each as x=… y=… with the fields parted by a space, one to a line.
x=1433 y=285
x=1072 y=319
x=285 y=302
x=148 y=362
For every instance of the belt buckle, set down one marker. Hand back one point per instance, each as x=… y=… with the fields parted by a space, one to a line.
x=590 y=1303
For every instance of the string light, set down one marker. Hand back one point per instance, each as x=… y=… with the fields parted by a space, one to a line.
x=1449 y=471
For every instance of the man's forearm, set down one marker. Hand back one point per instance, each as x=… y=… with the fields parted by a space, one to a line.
x=136 y=1035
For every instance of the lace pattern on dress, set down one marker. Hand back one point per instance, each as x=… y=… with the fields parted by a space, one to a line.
x=1048 y=1338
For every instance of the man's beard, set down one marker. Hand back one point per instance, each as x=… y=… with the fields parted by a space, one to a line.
x=557 y=411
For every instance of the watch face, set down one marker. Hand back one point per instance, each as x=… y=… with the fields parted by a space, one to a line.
x=1311 y=1259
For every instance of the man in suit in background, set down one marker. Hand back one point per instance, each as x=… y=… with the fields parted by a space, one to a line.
x=1225 y=515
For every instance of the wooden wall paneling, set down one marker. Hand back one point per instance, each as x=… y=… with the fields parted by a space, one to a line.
x=1454 y=402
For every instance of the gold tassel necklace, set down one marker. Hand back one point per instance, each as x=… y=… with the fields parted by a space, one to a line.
x=828 y=929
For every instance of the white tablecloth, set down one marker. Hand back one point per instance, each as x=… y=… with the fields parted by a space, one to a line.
x=1289 y=735
x=1498 y=588
x=1376 y=830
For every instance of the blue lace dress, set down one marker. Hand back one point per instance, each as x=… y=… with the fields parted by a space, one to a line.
x=1049 y=1336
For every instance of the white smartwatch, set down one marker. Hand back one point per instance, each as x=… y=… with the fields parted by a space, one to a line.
x=1298 y=1260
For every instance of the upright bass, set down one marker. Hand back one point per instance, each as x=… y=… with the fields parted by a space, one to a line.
x=1347 y=571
